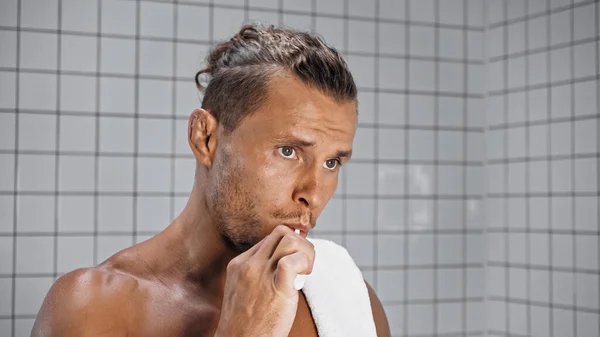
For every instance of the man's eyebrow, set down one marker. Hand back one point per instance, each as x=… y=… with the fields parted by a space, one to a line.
x=301 y=143
x=344 y=154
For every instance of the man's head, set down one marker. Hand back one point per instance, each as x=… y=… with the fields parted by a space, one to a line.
x=278 y=118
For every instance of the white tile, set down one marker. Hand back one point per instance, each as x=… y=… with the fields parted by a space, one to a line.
x=561 y=138
x=392 y=73
x=474 y=45
x=554 y=4
x=193 y=22
x=6 y=292
x=154 y=175
x=538 y=212
x=156 y=19
x=421 y=109
x=495 y=42
x=392 y=38
x=537 y=68
x=76 y=213
x=421 y=180
x=184 y=174
x=420 y=284
x=8 y=13
x=292 y=5
x=495 y=110
x=40 y=220
x=562 y=250
x=537 y=34
x=420 y=214
x=560 y=27
x=559 y=61
x=332 y=30
x=117 y=55
x=516 y=142
x=422 y=11
x=390 y=214
x=539 y=285
x=118 y=17
x=495 y=12
x=361 y=8
x=587 y=291
x=390 y=250
x=366 y=107
x=75 y=252
x=6 y=213
x=475 y=316
x=586 y=213
x=362 y=68
x=390 y=284
x=475 y=15
x=475 y=79
x=562 y=213
x=516 y=215
x=538 y=104
x=79 y=15
x=361 y=36
x=421 y=40
x=518 y=318
x=420 y=249
x=115 y=174
x=301 y=21
x=450 y=317
x=36 y=172
x=475 y=248
x=584 y=59
x=38 y=50
x=153 y=213
x=78 y=93
x=39 y=14
x=538 y=249
x=109 y=245
x=272 y=18
x=516 y=38
x=585 y=23
x=393 y=9
x=451 y=43
x=37 y=91
x=495 y=211
x=117 y=95
x=475 y=146
x=452 y=77
x=391 y=144
x=516 y=72
x=586 y=252
x=7 y=172
x=226 y=22
x=395 y=316
x=450 y=249
x=29 y=295
x=364 y=145
x=77 y=133
x=561 y=101
x=37 y=132
x=561 y=176
x=155 y=135
x=115 y=214
x=451 y=111
x=391 y=179
x=496 y=179
x=496 y=281
x=587 y=324
x=517 y=250
x=421 y=144
x=540 y=315
x=563 y=321
x=538 y=177
x=450 y=180
x=360 y=248
x=495 y=144
x=156 y=58
x=517 y=286
x=331 y=217
x=451 y=12
x=155 y=97
x=516 y=107
x=585 y=98
x=450 y=145
x=586 y=175
x=329 y=7
x=449 y=283
x=116 y=134
x=76 y=173
x=229 y=2
x=392 y=108
x=474 y=214
x=586 y=136
x=6 y=258
x=421 y=75
x=8 y=54
x=35 y=254
x=538 y=6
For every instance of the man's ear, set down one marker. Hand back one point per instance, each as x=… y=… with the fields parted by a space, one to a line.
x=202 y=136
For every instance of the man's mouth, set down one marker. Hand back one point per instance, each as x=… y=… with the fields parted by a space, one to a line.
x=303 y=229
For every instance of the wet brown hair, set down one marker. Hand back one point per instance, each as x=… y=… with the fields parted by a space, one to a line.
x=239 y=70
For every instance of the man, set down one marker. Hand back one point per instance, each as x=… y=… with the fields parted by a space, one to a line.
x=277 y=121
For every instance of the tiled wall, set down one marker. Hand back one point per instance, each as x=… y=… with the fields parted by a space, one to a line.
x=542 y=136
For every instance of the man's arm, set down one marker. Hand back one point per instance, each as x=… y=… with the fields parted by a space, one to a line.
x=84 y=302
x=381 y=322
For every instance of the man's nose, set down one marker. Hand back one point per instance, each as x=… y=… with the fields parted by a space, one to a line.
x=307 y=192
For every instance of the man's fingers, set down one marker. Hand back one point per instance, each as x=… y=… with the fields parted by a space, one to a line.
x=290 y=244
x=288 y=267
x=272 y=240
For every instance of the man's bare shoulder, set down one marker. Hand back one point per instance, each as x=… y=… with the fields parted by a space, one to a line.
x=95 y=299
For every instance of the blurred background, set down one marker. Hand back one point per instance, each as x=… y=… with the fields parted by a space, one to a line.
x=470 y=205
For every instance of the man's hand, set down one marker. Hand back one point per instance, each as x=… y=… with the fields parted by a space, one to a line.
x=260 y=298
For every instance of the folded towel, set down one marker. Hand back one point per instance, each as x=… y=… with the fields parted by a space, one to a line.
x=337 y=294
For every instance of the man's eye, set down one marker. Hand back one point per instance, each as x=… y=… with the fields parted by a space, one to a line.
x=330 y=164
x=287 y=151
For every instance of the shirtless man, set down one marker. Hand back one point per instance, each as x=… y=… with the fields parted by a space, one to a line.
x=277 y=121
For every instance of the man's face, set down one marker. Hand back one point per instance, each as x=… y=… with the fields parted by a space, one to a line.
x=281 y=164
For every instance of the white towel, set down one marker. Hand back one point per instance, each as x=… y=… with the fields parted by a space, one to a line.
x=337 y=294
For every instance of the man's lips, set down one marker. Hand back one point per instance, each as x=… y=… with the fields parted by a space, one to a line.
x=302 y=228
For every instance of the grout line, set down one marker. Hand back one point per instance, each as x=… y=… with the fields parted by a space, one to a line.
x=406 y=203
x=546 y=12
x=136 y=124
x=56 y=144
x=344 y=194
x=375 y=146
x=527 y=183
x=436 y=154
x=506 y=170
x=573 y=151
x=465 y=150
x=173 y=154
x=97 y=135
x=597 y=23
